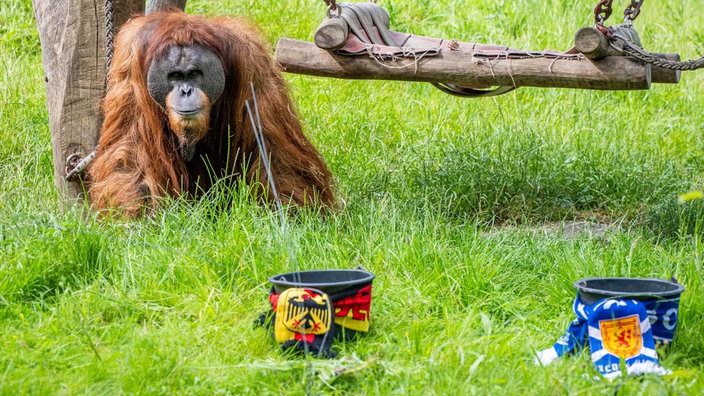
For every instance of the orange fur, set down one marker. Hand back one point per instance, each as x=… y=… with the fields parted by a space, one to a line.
x=189 y=129
x=138 y=159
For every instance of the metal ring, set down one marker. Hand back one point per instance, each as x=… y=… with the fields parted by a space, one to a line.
x=76 y=164
x=334 y=7
x=73 y=159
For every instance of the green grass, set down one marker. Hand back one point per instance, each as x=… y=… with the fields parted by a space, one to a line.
x=445 y=202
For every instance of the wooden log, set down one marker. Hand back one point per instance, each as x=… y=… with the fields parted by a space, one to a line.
x=164 y=5
x=595 y=45
x=592 y=43
x=73 y=54
x=460 y=67
x=331 y=33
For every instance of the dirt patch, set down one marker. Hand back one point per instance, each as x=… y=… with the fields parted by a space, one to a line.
x=567 y=229
x=575 y=229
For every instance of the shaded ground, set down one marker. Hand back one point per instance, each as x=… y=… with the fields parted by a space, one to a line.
x=575 y=229
x=568 y=229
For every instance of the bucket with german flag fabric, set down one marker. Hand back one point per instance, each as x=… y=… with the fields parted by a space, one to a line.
x=309 y=309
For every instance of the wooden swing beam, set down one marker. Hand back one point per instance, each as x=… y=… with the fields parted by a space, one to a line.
x=460 y=67
x=600 y=68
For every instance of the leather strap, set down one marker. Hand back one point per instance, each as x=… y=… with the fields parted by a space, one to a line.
x=369 y=34
x=468 y=92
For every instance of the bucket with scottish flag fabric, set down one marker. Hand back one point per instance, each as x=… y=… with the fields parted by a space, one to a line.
x=620 y=319
x=660 y=297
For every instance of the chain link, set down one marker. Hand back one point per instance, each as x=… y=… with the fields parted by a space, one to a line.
x=602 y=11
x=633 y=10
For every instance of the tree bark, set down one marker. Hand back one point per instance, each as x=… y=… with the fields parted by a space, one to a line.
x=72 y=35
x=163 y=5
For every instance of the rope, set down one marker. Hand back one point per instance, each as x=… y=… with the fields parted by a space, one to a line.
x=109 y=36
x=644 y=56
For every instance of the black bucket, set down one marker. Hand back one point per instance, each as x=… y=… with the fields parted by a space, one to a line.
x=317 y=306
x=660 y=297
x=327 y=281
x=592 y=290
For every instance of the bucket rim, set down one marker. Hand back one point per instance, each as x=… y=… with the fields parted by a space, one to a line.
x=581 y=286
x=280 y=280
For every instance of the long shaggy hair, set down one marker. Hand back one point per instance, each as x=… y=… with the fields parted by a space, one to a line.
x=138 y=160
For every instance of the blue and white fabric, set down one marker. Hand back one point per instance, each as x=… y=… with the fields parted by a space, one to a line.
x=618 y=329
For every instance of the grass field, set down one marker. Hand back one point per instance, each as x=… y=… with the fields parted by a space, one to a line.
x=453 y=204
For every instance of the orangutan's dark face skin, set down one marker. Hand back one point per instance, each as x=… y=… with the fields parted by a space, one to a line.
x=186 y=81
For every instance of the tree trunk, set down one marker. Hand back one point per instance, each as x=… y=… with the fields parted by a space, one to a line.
x=72 y=34
x=163 y=5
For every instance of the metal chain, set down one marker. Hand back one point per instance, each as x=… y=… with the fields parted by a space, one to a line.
x=603 y=11
x=333 y=6
x=633 y=10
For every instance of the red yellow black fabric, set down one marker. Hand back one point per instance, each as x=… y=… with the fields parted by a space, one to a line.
x=306 y=319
